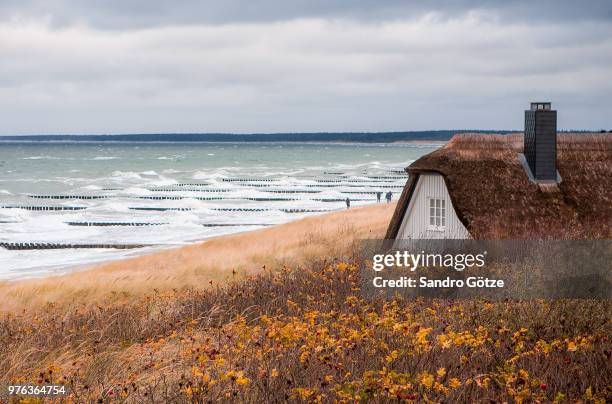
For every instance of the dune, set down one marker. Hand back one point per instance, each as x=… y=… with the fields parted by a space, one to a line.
x=203 y=264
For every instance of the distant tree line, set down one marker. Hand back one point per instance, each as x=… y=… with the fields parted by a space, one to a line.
x=363 y=137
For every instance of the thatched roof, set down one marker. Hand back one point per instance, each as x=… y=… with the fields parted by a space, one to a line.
x=494 y=198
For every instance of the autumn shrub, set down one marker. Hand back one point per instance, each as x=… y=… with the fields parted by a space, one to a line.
x=307 y=334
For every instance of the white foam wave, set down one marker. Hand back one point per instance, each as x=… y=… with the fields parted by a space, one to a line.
x=106 y=158
x=126 y=175
x=41 y=158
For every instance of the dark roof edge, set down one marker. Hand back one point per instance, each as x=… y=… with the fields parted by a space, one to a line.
x=402 y=205
x=407 y=193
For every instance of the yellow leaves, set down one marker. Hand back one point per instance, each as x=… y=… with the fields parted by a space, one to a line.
x=242 y=380
x=346 y=267
x=303 y=393
x=391 y=357
x=464 y=338
x=520 y=334
x=30 y=400
x=543 y=346
x=196 y=372
x=422 y=344
x=199 y=374
x=422 y=334
x=483 y=382
x=579 y=342
x=342 y=266
x=289 y=333
x=439 y=387
x=427 y=380
x=236 y=377
x=329 y=343
x=304 y=356
x=444 y=341
x=454 y=383
x=352 y=301
x=400 y=327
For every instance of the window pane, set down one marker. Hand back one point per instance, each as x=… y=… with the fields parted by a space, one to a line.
x=437 y=221
x=443 y=221
x=432 y=203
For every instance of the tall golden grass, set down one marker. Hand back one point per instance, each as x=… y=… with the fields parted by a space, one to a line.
x=200 y=265
x=308 y=335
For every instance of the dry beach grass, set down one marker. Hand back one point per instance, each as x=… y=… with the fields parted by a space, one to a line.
x=305 y=334
x=198 y=265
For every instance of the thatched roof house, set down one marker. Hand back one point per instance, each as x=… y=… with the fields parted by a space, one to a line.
x=479 y=186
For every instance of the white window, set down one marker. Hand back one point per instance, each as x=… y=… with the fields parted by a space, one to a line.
x=437 y=213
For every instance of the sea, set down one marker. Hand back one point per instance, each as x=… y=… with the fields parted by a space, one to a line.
x=65 y=206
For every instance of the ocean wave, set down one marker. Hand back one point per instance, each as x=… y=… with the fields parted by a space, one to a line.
x=192 y=176
x=126 y=175
x=105 y=158
x=136 y=191
x=42 y=158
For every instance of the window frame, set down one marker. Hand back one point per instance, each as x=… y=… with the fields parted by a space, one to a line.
x=436 y=218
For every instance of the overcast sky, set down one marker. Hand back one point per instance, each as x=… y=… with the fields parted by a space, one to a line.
x=151 y=66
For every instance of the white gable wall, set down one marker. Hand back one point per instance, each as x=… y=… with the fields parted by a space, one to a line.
x=415 y=223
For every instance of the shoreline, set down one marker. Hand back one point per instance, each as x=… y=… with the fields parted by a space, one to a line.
x=203 y=264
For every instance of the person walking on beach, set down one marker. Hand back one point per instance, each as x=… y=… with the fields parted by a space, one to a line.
x=348 y=203
x=378 y=195
x=389 y=196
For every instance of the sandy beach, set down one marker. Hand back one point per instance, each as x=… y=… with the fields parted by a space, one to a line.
x=203 y=264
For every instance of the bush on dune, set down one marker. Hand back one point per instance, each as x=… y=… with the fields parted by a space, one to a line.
x=307 y=334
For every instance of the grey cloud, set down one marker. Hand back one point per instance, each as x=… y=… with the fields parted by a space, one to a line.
x=302 y=75
x=128 y=14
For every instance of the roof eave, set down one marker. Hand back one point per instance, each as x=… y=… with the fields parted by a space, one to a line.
x=407 y=193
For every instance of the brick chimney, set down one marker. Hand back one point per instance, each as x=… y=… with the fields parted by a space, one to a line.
x=540 y=144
